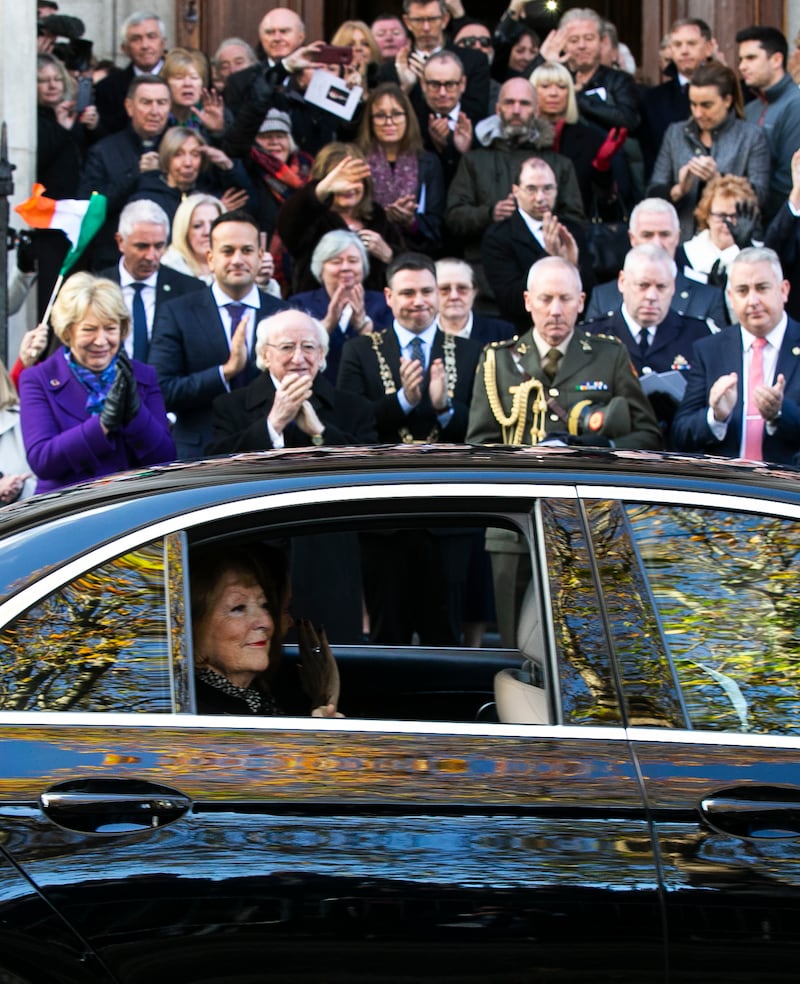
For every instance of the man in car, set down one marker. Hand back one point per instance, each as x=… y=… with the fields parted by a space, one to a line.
x=558 y=381
x=743 y=391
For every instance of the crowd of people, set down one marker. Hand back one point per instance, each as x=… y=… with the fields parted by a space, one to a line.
x=429 y=228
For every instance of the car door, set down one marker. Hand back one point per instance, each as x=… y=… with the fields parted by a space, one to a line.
x=702 y=594
x=198 y=848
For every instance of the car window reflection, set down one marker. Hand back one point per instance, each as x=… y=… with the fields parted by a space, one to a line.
x=727 y=591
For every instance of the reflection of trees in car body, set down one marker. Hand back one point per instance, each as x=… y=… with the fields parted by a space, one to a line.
x=97 y=643
x=727 y=589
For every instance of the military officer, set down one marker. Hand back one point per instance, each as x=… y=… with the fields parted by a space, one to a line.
x=554 y=380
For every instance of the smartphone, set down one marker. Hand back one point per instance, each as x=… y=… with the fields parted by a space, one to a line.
x=85 y=94
x=334 y=54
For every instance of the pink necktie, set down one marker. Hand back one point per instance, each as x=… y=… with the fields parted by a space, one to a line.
x=754 y=422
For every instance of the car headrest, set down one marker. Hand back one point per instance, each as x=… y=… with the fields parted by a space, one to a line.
x=517 y=701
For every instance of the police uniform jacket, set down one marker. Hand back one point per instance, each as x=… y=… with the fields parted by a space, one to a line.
x=593 y=368
x=672 y=343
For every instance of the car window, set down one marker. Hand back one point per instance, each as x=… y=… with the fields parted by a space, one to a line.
x=112 y=639
x=726 y=588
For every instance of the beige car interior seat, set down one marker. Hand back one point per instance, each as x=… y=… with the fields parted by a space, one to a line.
x=519 y=699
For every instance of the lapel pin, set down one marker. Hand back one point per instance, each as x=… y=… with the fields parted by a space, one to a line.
x=796 y=351
x=167 y=287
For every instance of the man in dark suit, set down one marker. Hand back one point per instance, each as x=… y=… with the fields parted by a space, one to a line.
x=742 y=396
x=291 y=403
x=419 y=381
x=203 y=342
x=655 y=221
x=647 y=283
x=142 y=237
x=114 y=163
x=457 y=292
x=509 y=248
x=143 y=39
x=426 y=21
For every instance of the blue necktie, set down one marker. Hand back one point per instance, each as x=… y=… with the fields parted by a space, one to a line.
x=140 y=341
x=417 y=350
x=237 y=312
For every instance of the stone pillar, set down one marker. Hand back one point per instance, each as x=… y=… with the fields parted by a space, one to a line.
x=18 y=109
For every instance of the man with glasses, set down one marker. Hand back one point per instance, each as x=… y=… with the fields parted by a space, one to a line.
x=476 y=36
x=202 y=343
x=291 y=404
x=426 y=21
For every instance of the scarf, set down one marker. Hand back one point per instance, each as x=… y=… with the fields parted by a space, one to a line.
x=391 y=183
x=97 y=384
x=257 y=701
x=282 y=179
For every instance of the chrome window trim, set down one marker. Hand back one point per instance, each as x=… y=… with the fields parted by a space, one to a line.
x=684 y=497
x=257 y=503
x=736 y=738
x=233 y=724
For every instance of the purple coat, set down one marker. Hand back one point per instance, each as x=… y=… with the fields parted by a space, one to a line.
x=66 y=445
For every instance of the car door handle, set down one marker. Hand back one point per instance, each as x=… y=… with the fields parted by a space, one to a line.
x=754 y=812
x=112 y=806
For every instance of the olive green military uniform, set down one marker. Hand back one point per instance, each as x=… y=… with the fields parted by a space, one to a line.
x=594 y=370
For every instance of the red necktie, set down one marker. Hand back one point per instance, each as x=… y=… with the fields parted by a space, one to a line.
x=754 y=422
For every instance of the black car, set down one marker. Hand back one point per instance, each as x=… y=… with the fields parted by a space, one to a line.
x=614 y=795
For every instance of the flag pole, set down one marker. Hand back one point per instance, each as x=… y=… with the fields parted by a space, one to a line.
x=51 y=302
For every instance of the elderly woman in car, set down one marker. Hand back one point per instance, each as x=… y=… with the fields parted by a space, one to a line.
x=236 y=612
x=89 y=410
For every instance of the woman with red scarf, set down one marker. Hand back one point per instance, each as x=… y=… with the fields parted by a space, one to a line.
x=276 y=167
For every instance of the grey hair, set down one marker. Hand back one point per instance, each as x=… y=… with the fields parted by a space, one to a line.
x=265 y=328
x=445 y=57
x=758 y=254
x=582 y=14
x=654 y=206
x=239 y=43
x=456 y=261
x=142 y=210
x=331 y=245
x=135 y=19
x=650 y=252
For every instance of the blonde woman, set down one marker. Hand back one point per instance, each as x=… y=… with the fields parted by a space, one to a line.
x=188 y=250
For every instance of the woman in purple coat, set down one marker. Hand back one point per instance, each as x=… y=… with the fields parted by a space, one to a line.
x=88 y=410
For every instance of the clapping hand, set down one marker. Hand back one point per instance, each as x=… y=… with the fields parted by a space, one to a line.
x=747 y=224
x=319 y=674
x=112 y=416
x=132 y=401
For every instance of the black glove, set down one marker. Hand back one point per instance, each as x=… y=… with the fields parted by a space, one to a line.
x=132 y=402
x=113 y=413
x=26 y=253
x=717 y=276
x=747 y=226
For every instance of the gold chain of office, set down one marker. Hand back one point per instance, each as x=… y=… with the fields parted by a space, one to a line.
x=513 y=423
x=389 y=387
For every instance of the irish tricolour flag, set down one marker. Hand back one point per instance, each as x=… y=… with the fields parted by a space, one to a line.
x=78 y=219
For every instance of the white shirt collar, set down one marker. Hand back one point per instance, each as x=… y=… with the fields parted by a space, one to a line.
x=251 y=299
x=404 y=336
x=125 y=279
x=774 y=337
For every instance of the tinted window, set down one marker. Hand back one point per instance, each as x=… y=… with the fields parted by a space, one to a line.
x=727 y=592
x=102 y=641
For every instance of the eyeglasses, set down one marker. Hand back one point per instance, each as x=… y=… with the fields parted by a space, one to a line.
x=450 y=85
x=419 y=21
x=723 y=216
x=287 y=349
x=394 y=117
x=473 y=41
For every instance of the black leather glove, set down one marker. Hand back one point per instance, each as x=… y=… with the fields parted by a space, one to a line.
x=113 y=413
x=717 y=276
x=747 y=226
x=26 y=253
x=132 y=402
